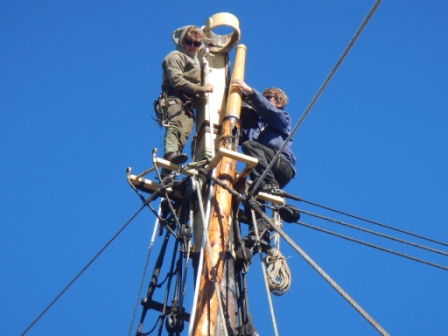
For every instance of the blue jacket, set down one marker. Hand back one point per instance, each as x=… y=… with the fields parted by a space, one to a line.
x=269 y=126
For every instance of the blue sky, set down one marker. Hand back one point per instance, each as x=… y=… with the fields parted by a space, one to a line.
x=77 y=83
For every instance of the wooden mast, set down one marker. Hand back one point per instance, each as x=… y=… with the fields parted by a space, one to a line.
x=206 y=317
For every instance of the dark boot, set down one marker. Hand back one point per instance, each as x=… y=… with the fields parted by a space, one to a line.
x=289 y=214
x=176 y=157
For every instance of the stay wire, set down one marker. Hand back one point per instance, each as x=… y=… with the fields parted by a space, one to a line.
x=319 y=92
x=372 y=245
x=373 y=232
x=364 y=219
x=83 y=270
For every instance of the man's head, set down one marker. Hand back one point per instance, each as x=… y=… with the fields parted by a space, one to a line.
x=192 y=40
x=276 y=96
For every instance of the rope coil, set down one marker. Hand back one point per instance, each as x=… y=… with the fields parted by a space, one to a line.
x=278 y=274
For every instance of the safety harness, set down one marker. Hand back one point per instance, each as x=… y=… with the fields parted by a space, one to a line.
x=165 y=99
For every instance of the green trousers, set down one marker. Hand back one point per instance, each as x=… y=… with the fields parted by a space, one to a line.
x=179 y=127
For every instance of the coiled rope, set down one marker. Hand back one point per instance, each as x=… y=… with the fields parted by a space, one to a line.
x=277 y=271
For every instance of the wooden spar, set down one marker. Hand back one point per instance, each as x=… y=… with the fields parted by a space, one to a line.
x=206 y=316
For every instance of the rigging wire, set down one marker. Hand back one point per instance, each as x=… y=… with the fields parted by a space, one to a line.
x=364 y=219
x=374 y=246
x=83 y=270
x=368 y=221
x=319 y=92
x=373 y=232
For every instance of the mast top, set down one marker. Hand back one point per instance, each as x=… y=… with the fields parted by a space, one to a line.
x=222 y=43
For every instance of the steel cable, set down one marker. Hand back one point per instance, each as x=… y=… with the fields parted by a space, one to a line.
x=83 y=270
x=373 y=232
x=365 y=220
x=374 y=246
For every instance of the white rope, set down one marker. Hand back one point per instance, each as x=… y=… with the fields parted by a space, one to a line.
x=275 y=237
x=277 y=273
x=278 y=276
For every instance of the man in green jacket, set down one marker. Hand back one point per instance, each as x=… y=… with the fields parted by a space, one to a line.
x=182 y=75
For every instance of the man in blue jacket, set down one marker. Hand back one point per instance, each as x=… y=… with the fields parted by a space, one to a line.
x=263 y=131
